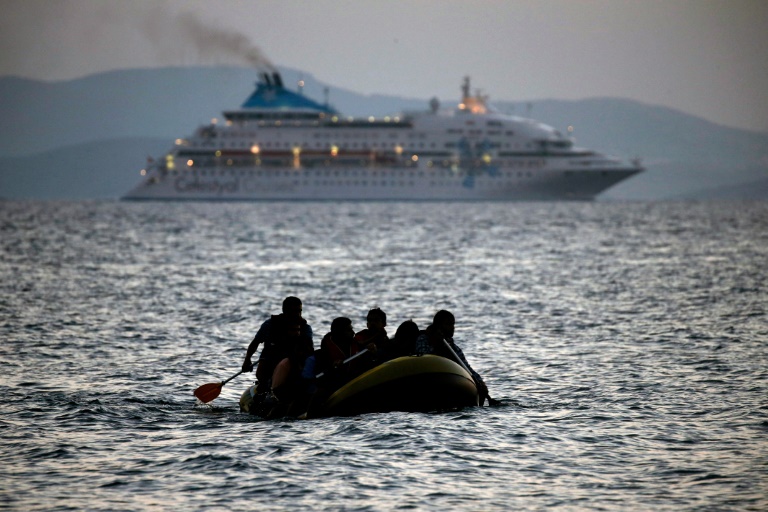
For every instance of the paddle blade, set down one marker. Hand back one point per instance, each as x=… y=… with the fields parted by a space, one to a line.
x=208 y=392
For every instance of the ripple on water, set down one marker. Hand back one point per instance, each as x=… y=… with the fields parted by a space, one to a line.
x=626 y=341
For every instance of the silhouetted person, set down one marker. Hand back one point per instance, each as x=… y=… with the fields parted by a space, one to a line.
x=403 y=343
x=287 y=340
x=374 y=336
x=337 y=346
x=331 y=370
x=438 y=339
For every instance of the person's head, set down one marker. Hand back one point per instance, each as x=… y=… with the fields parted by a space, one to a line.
x=341 y=329
x=407 y=331
x=444 y=321
x=376 y=319
x=292 y=308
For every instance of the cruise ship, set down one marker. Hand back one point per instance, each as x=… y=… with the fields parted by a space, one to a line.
x=282 y=145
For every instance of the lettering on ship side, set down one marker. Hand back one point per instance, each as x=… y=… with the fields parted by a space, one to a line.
x=197 y=186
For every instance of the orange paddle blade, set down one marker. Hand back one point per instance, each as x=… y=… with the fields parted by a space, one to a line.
x=208 y=392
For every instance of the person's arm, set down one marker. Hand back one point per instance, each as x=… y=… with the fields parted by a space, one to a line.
x=260 y=337
x=368 y=339
x=306 y=331
x=482 y=389
x=323 y=361
x=460 y=353
x=304 y=348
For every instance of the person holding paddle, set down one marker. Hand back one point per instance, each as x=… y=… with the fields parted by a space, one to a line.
x=337 y=362
x=438 y=339
x=374 y=336
x=287 y=340
x=336 y=347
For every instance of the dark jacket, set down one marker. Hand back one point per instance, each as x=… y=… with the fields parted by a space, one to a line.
x=278 y=343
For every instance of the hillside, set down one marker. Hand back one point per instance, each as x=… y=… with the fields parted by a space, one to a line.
x=104 y=169
x=168 y=103
x=88 y=138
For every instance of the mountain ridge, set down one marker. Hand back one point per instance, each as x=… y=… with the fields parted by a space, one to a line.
x=121 y=117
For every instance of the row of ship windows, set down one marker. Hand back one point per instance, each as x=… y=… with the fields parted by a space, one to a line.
x=356 y=183
x=334 y=134
x=490 y=133
x=383 y=175
x=354 y=145
x=365 y=135
x=310 y=163
x=391 y=183
x=241 y=119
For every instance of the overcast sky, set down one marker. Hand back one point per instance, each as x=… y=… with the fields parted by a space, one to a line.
x=704 y=57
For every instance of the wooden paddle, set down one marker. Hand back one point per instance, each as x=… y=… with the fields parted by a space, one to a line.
x=491 y=401
x=210 y=391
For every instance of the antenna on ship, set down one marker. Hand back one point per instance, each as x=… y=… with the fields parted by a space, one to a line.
x=301 y=84
x=465 y=88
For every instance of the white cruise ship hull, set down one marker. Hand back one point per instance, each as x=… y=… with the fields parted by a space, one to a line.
x=388 y=185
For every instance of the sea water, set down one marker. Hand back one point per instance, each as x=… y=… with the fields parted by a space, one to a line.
x=628 y=343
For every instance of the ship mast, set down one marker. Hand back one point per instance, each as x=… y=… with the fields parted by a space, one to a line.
x=471 y=104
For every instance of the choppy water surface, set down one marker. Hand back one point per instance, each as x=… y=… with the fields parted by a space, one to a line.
x=627 y=341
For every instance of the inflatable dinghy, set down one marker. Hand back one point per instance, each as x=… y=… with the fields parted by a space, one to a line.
x=411 y=384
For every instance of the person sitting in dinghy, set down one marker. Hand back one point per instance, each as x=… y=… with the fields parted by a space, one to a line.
x=374 y=336
x=336 y=347
x=287 y=340
x=402 y=344
x=438 y=339
x=334 y=362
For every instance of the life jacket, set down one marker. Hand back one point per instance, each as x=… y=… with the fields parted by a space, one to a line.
x=367 y=336
x=333 y=352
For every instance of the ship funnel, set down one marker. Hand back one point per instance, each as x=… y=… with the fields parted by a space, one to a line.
x=278 y=80
x=266 y=78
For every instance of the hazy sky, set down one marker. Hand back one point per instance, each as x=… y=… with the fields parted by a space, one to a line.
x=705 y=57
